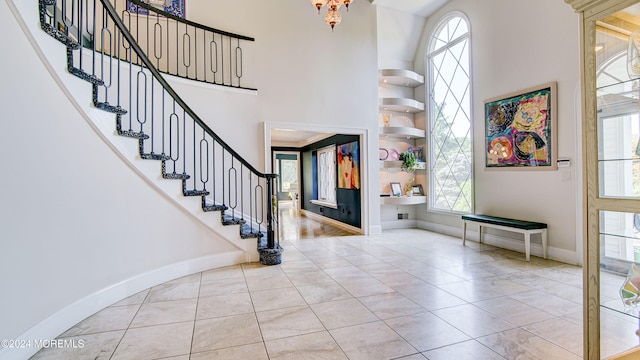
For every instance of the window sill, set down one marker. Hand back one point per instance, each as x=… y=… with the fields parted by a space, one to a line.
x=325 y=204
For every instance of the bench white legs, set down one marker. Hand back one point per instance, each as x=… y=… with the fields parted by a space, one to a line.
x=526 y=233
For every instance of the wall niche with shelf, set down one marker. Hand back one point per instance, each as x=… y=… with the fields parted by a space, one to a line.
x=399 y=131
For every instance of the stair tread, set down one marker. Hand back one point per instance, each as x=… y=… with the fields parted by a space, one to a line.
x=85 y=76
x=109 y=108
x=195 y=192
x=213 y=207
x=133 y=134
x=175 y=176
x=152 y=156
x=231 y=220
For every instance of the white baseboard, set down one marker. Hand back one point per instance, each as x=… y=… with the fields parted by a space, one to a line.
x=336 y=223
x=399 y=224
x=56 y=324
x=375 y=230
x=553 y=253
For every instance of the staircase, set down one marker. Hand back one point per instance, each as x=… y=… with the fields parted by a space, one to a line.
x=102 y=50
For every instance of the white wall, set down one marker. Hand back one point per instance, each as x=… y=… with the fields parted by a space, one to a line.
x=306 y=75
x=75 y=219
x=90 y=222
x=512 y=52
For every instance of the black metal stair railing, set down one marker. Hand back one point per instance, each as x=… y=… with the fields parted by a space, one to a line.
x=102 y=51
x=184 y=48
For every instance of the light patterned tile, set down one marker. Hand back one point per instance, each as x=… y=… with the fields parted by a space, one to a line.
x=243 y=352
x=224 y=305
x=559 y=332
x=426 y=331
x=177 y=291
x=220 y=333
x=152 y=342
x=277 y=324
x=276 y=299
x=326 y=292
x=341 y=313
x=109 y=319
x=513 y=311
x=468 y=350
x=472 y=320
x=371 y=341
x=223 y=286
x=391 y=305
x=166 y=312
x=268 y=282
x=309 y=277
x=317 y=346
x=547 y=302
x=521 y=344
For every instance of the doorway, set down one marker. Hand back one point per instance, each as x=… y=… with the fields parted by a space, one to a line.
x=286 y=164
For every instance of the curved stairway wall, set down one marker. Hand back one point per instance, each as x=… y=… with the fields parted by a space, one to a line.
x=75 y=238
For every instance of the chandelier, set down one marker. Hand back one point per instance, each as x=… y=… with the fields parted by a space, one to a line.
x=333 y=17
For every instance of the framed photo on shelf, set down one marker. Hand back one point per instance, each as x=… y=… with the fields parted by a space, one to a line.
x=417 y=190
x=396 y=189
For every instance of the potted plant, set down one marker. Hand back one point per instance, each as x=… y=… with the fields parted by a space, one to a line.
x=409 y=161
x=408 y=187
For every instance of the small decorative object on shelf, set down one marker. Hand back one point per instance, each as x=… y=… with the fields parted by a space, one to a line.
x=396 y=189
x=409 y=162
x=418 y=151
x=408 y=187
x=630 y=290
x=386 y=119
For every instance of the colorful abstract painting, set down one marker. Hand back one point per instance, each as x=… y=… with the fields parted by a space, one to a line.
x=349 y=166
x=520 y=129
x=174 y=7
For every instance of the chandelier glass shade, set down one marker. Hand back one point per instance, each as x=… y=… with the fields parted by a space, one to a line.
x=332 y=17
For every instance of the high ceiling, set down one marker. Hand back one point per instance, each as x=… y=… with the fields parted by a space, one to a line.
x=419 y=7
x=284 y=137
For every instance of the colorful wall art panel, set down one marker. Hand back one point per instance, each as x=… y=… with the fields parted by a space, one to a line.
x=349 y=166
x=174 y=7
x=520 y=129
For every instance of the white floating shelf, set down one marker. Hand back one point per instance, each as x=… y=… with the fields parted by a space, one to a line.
x=400 y=77
x=400 y=105
x=403 y=200
x=391 y=164
x=402 y=132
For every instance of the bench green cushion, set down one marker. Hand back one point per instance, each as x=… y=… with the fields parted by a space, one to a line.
x=519 y=224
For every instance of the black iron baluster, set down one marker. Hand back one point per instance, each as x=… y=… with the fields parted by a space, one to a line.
x=238 y=63
x=157 y=33
x=174 y=120
x=213 y=45
x=141 y=75
x=204 y=173
x=186 y=55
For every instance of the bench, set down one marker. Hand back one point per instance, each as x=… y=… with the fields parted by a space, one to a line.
x=524 y=227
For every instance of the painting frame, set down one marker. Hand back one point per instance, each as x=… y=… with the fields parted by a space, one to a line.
x=396 y=189
x=417 y=190
x=521 y=129
x=348 y=158
x=176 y=8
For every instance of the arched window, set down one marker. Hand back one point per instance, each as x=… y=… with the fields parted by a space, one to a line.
x=449 y=104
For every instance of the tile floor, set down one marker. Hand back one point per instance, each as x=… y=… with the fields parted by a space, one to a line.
x=405 y=294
